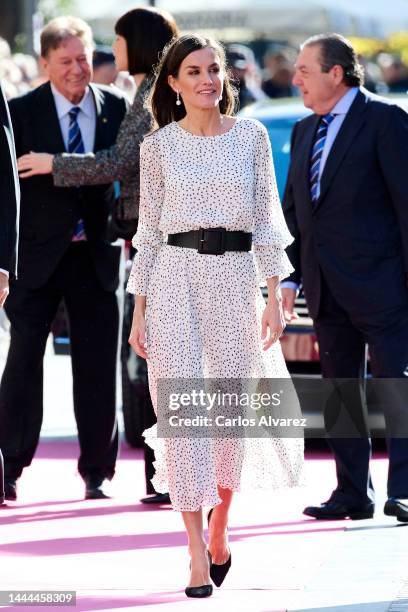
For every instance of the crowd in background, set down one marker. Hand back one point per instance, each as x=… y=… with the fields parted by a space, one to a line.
x=271 y=77
x=20 y=72
x=387 y=74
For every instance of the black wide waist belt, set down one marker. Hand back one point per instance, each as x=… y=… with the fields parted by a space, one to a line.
x=212 y=241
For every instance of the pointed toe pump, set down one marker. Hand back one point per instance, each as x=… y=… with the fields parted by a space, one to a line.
x=218 y=571
x=204 y=590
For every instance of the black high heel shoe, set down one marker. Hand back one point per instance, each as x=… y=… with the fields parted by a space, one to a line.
x=205 y=590
x=218 y=571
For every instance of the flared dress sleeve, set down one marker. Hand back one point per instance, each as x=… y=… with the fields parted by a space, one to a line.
x=270 y=232
x=149 y=238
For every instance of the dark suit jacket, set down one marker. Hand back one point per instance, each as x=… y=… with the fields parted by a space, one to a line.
x=357 y=233
x=49 y=214
x=9 y=190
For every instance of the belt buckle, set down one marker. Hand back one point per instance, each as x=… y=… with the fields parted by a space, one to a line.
x=211 y=241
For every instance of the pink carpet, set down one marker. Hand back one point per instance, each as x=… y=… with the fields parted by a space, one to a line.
x=118 y=554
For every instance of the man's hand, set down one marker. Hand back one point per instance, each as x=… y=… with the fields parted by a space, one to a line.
x=4 y=288
x=288 y=303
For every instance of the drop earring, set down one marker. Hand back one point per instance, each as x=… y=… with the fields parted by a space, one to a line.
x=178 y=101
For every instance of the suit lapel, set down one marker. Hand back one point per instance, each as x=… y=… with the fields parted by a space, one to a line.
x=348 y=131
x=305 y=154
x=48 y=122
x=101 y=123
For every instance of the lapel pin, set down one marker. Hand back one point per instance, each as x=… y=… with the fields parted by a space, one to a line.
x=104 y=120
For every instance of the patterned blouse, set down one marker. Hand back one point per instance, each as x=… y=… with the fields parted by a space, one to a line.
x=189 y=181
x=119 y=162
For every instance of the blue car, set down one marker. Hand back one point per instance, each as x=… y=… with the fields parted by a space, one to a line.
x=279 y=118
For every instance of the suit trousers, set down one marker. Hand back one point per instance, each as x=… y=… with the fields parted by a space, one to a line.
x=342 y=338
x=149 y=419
x=93 y=324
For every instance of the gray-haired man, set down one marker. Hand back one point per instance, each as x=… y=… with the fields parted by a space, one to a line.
x=64 y=253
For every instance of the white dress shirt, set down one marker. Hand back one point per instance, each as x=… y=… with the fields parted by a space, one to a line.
x=86 y=117
x=340 y=111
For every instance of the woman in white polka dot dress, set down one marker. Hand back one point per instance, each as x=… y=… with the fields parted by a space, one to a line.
x=201 y=314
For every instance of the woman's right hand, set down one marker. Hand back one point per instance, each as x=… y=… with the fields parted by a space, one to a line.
x=288 y=304
x=34 y=163
x=137 y=338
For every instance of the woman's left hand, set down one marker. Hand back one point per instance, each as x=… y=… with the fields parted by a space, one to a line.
x=34 y=163
x=273 y=320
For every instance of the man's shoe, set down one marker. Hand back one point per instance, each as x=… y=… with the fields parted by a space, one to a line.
x=397 y=507
x=332 y=510
x=93 y=488
x=10 y=489
x=157 y=498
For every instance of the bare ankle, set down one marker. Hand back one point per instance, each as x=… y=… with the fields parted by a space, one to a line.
x=219 y=519
x=197 y=549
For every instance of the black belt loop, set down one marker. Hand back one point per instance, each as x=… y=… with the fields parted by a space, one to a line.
x=212 y=241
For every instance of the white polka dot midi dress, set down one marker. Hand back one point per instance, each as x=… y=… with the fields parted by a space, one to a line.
x=203 y=312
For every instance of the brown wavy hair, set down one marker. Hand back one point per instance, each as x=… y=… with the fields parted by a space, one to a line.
x=163 y=98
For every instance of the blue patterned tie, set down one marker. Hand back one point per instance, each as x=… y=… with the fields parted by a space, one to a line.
x=317 y=152
x=76 y=145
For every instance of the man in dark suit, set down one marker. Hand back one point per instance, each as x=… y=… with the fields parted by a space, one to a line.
x=64 y=253
x=346 y=205
x=9 y=199
x=9 y=215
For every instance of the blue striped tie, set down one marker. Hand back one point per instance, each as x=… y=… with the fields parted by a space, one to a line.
x=76 y=145
x=317 y=152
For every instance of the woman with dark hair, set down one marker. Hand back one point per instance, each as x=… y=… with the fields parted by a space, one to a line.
x=141 y=35
x=208 y=192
